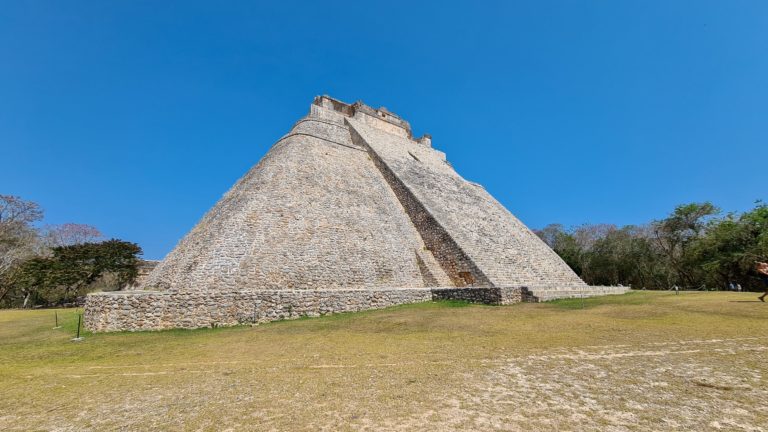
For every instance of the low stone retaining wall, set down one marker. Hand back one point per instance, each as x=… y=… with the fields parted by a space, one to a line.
x=550 y=292
x=498 y=296
x=159 y=310
x=156 y=310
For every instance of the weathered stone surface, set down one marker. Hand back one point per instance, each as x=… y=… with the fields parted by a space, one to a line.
x=343 y=208
x=145 y=268
x=314 y=213
x=503 y=251
x=494 y=295
x=159 y=310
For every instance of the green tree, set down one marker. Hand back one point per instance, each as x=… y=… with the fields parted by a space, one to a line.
x=623 y=256
x=727 y=250
x=71 y=270
x=675 y=234
x=564 y=244
x=690 y=248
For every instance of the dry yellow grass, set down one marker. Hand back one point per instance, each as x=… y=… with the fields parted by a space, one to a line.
x=642 y=361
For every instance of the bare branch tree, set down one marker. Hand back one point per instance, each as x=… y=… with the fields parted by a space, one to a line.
x=18 y=238
x=70 y=234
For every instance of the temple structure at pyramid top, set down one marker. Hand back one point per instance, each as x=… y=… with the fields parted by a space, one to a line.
x=347 y=211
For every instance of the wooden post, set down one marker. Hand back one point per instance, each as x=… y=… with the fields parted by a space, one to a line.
x=79 y=323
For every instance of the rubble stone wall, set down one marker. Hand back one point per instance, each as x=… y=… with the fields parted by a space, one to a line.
x=159 y=310
x=495 y=295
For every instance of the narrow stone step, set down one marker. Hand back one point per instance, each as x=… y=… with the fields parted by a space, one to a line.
x=540 y=294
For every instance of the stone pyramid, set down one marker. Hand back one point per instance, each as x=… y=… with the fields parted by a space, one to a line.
x=348 y=199
x=347 y=211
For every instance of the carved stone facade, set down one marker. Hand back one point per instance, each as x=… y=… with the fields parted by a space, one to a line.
x=346 y=202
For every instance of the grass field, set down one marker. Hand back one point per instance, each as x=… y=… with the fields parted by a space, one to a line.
x=641 y=361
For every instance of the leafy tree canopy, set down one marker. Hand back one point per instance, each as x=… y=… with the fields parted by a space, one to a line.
x=70 y=270
x=694 y=247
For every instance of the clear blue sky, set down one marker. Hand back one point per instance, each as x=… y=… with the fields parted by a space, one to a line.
x=136 y=116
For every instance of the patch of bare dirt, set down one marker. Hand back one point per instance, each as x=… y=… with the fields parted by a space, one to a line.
x=687 y=385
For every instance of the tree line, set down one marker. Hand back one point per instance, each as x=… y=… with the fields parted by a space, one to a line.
x=57 y=264
x=695 y=247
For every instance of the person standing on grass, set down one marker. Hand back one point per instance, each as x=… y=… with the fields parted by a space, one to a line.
x=762 y=270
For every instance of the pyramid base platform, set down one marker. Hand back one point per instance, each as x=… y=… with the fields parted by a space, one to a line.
x=161 y=310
